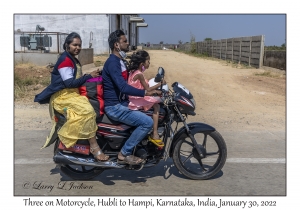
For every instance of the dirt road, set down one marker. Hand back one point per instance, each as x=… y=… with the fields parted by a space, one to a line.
x=228 y=97
x=248 y=110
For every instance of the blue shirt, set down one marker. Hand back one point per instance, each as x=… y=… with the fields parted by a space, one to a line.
x=63 y=76
x=115 y=87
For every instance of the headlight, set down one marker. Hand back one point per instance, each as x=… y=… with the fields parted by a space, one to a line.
x=194 y=102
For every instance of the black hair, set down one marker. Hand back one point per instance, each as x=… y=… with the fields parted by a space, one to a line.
x=114 y=37
x=70 y=38
x=136 y=59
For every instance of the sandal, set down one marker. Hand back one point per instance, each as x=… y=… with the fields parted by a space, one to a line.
x=157 y=142
x=99 y=152
x=131 y=159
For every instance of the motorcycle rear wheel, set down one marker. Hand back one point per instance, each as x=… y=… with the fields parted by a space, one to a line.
x=188 y=161
x=78 y=172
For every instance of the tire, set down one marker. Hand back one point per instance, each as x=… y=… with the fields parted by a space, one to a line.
x=188 y=161
x=78 y=172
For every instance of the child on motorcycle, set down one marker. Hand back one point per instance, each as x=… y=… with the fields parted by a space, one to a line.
x=138 y=63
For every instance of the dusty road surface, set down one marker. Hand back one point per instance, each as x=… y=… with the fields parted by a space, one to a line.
x=227 y=96
x=247 y=108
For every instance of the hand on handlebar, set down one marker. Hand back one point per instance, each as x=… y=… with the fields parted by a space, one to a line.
x=153 y=93
x=163 y=81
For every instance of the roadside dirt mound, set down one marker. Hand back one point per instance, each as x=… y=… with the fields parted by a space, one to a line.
x=273 y=85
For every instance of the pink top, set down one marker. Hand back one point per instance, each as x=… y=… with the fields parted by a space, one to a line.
x=137 y=102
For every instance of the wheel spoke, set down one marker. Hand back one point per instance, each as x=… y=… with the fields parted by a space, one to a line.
x=189 y=157
x=212 y=153
x=204 y=141
x=201 y=165
x=189 y=143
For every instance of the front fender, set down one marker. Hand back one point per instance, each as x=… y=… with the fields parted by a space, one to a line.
x=194 y=128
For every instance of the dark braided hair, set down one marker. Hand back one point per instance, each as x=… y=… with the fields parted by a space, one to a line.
x=136 y=59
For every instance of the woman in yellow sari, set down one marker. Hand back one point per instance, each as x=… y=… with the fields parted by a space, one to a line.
x=63 y=96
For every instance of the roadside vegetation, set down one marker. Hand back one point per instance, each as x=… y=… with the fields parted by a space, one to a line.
x=279 y=48
x=272 y=74
x=29 y=77
x=100 y=59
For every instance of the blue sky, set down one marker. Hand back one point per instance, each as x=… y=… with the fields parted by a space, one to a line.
x=170 y=28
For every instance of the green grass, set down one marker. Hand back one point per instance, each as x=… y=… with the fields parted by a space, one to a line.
x=265 y=74
x=19 y=91
x=29 y=81
x=26 y=77
x=203 y=55
x=270 y=74
x=98 y=63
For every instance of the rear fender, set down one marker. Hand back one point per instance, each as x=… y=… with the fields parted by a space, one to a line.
x=194 y=128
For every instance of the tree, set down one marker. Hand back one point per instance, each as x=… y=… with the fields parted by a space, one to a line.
x=207 y=39
x=274 y=47
x=161 y=42
x=179 y=42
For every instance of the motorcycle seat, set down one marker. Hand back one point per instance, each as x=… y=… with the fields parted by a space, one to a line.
x=105 y=119
x=102 y=119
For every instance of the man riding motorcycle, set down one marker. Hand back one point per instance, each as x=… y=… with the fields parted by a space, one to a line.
x=116 y=91
x=197 y=149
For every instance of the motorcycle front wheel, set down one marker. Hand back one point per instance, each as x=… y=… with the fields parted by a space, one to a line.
x=188 y=161
x=78 y=172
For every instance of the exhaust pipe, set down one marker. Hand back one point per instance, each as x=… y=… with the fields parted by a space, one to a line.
x=60 y=158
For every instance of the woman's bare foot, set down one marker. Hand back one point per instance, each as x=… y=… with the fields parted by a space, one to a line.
x=96 y=151
x=98 y=154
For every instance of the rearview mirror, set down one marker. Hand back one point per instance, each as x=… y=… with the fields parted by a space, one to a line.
x=161 y=71
x=157 y=78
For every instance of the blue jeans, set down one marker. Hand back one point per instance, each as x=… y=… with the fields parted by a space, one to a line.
x=134 y=118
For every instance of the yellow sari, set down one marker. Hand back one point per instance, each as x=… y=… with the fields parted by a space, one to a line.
x=81 y=117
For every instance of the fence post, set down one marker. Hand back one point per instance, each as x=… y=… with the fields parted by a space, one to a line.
x=221 y=50
x=232 y=49
x=262 y=45
x=250 y=53
x=200 y=47
x=240 y=50
x=212 y=47
x=226 y=50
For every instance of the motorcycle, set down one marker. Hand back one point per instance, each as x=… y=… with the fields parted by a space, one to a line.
x=198 y=150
